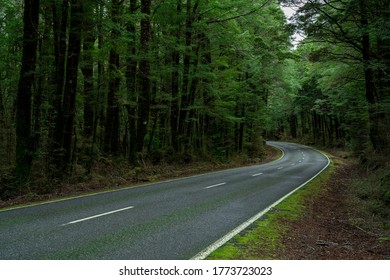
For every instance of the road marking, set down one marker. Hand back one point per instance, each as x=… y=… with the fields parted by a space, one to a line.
x=254 y=175
x=280 y=168
x=217 y=185
x=97 y=216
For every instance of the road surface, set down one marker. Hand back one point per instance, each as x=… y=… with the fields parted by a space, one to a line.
x=178 y=219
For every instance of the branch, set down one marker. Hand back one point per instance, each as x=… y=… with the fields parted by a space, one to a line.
x=330 y=4
x=340 y=28
x=238 y=16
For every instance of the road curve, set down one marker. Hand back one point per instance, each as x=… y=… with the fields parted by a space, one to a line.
x=177 y=219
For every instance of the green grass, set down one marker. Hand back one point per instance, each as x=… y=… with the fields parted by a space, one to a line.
x=264 y=237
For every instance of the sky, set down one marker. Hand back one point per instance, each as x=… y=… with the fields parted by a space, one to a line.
x=288 y=11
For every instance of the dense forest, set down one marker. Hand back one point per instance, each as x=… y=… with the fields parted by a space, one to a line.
x=135 y=81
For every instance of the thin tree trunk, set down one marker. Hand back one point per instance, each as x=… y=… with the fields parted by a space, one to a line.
x=144 y=69
x=175 y=82
x=131 y=80
x=88 y=70
x=72 y=66
x=186 y=76
x=111 y=143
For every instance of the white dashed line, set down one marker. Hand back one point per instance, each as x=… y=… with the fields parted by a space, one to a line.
x=254 y=175
x=217 y=185
x=97 y=216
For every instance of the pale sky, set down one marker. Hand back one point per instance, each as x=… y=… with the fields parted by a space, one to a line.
x=288 y=11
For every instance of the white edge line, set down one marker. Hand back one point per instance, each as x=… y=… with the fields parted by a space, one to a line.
x=280 y=149
x=213 y=186
x=207 y=251
x=97 y=216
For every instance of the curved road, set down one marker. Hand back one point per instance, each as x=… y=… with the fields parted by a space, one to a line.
x=178 y=219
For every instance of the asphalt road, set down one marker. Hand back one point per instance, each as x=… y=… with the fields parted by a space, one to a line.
x=175 y=219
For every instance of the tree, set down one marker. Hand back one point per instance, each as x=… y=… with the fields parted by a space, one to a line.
x=144 y=98
x=111 y=145
x=159 y=81
x=352 y=26
x=24 y=139
x=67 y=77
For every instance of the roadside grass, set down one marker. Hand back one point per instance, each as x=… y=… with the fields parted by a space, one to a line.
x=264 y=238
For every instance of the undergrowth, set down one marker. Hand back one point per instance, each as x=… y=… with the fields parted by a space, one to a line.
x=371 y=198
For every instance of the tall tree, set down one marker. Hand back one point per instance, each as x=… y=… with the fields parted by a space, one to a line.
x=87 y=67
x=131 y=81
x=111 y=145
x=66 y=104
x=72 y=67
x=144 y=98
x=24 y=147
x=352 y=25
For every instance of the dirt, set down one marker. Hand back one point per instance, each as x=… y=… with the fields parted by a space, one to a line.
x=326 y=230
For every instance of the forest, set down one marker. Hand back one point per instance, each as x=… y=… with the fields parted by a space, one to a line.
x=84 y=82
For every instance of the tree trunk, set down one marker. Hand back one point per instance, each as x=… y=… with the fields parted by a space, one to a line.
x=131 y=79
x=293 y=125
x=88 y=69
x=60 y=23
x=24 y=94
x=186 y=76
x=175 y=82
x=144 y=69
x=111 y=143
x=371 y=95
x=70 y=91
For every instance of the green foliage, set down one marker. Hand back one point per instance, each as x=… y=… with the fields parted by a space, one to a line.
x=372 y=195
x=212 y=67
